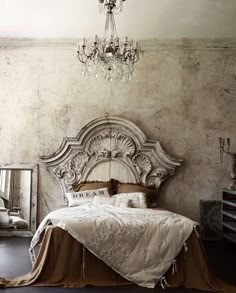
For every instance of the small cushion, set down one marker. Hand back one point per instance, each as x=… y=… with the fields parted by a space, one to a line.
x=19 y=223
x=137 y=199
x=151 y=193
x=116 y=202
x=86 y=196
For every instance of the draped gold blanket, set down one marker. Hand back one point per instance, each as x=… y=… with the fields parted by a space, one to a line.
x=62 y=261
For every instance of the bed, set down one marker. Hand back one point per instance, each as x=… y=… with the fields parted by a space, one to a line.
x=111 y=155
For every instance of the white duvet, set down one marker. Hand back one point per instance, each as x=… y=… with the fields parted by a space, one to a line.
x=139 y=244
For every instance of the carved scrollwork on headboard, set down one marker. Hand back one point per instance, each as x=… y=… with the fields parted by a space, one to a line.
x=111 y=144
x=72 y=170
x=113 y=140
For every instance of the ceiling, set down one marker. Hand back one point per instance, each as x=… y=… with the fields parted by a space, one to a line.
x=140 y=18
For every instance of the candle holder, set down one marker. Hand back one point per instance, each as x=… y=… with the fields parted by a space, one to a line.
x=225 y=148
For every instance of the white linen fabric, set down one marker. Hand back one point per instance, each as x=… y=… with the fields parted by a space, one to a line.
x=19 y=223
x=137 y=199
x=86 y=196
x=139 y=244
x=116 y=202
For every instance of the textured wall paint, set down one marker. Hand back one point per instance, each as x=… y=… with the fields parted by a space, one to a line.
x=184 y=98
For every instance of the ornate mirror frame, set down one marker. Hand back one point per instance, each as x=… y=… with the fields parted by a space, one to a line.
x=33 y=168
x=113 y=140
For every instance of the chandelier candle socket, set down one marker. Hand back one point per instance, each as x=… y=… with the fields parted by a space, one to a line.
x=225 y=148
x=109 y=57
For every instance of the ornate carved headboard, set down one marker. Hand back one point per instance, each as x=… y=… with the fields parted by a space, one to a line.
x=110 y=147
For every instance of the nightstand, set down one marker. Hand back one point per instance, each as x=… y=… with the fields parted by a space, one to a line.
x=229 y=214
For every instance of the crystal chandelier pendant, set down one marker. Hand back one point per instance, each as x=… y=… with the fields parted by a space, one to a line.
x=109 y=57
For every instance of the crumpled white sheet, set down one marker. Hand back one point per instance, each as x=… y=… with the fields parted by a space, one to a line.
x=139 y=244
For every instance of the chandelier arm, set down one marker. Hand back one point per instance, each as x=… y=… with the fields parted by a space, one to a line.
x=81 y=59
x=90 y=55
x=98 y=51
x=132 y=60
x=127 y=58
x=87 y=56
x=136 y=56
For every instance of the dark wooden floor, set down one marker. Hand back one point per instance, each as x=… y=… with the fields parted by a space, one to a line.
x=15 y=261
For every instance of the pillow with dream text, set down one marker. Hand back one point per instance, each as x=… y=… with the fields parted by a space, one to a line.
x=86 y=196
x=137 y=199
x=116 y=202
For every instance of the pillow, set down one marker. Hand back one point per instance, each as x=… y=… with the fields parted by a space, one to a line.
x=137 y=199
x=116 y=202
x=111 y=185
x=151 y=193
x=19 y=223
x=86 y=196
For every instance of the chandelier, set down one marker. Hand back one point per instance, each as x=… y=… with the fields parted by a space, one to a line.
x=109 y=57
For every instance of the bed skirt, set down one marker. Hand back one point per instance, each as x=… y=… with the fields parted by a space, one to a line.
x=62 y=261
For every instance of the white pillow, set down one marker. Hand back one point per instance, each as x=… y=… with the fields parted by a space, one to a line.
x=19 y=223
x=86 y=196
x=116 y=202
x=137 y=199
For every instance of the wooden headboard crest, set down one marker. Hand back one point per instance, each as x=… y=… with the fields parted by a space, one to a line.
x=110 y=141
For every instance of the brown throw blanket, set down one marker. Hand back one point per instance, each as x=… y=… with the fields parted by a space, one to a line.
x=63 y=261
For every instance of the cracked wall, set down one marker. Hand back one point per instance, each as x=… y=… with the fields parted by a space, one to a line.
x=184 y=98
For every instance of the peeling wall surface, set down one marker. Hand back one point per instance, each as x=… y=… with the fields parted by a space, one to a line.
x=185 y=98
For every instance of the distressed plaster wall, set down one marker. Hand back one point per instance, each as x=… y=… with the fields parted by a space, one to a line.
x=186 y=98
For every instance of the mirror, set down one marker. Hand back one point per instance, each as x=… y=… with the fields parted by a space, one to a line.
x=18 y=199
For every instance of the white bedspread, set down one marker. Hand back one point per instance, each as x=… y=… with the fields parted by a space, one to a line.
x=139 y=244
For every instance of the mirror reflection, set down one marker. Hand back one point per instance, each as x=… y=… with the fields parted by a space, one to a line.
x=15 y=197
